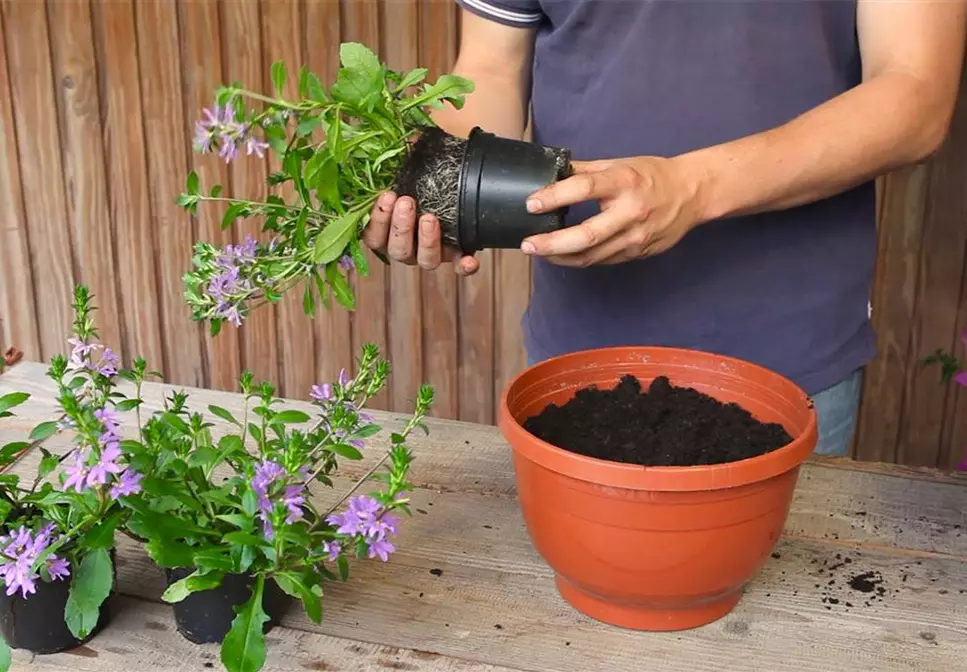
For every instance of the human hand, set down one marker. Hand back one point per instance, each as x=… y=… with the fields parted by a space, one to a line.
x=392 y=231
x=647 y=205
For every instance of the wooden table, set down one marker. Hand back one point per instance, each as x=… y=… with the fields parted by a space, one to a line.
x=466 y=591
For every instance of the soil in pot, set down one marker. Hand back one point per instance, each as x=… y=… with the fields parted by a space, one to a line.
x=205 y=617
x=665 y=425
x=477 y=187
x=36 y=623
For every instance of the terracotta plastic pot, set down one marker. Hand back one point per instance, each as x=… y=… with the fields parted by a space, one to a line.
x=655 y=548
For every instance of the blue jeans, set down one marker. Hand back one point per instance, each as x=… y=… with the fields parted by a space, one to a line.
x=836 y=408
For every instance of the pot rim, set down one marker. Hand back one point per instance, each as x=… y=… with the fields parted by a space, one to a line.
x=664 y=478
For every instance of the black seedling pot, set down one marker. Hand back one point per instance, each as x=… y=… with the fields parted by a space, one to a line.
x=478 y=187
x=36 y=623
x=497 y=176
x=206 y=617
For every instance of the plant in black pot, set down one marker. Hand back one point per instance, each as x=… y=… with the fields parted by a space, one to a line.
x=234 y=521
x=58 y=529
x=338 y=150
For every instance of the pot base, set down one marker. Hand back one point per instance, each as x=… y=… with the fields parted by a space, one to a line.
x=636 y=618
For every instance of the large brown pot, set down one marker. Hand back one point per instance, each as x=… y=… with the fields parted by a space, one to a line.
x=655 y=548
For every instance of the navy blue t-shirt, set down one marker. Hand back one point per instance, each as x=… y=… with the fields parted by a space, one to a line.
x=788 y=290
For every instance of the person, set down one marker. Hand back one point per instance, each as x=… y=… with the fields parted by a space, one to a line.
x=724 y=157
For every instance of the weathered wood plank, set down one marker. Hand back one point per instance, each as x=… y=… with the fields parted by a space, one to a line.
x=159 y=61
x=85 y=181
x=201 y=74
x=142 y=637
x=281 y=24
x=360 y=23
x=135 y=242
x=405 y=317
x=333 y=328
x=18 y=322
x=242 y=29
x=438 y=49
x=31 y=75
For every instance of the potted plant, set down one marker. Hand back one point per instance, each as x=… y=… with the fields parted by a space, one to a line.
x=338 y=150
x=232 y=521
x=57 y=543
x=655 y=508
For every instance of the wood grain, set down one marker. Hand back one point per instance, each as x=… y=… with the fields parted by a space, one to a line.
x=85 y=179
x=242 y=29
x=18 y=323
x=467 y=584
x=42 y=178
x=201 y=74
x=130 y=200
x=163 y=107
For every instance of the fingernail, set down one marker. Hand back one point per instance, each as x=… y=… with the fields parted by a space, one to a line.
x=385 y=201
x=533 y=205
x=527 y=248
x=405 y=205
x=426 y=224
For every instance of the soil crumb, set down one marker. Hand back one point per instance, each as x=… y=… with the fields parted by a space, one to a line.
x=666 y=425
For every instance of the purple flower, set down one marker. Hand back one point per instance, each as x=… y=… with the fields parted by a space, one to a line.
x=344 y=378
x=346 y=522
x=82 y=357
x=380 y=547
x=106 y=464
x=346 y=263
x=76 y=469
x=321 y=392
x=128 y=483
x=293 y=500
x=255 y=146
x=266 y=474
x=20 y=551
x=221 y=127
x=333 y=548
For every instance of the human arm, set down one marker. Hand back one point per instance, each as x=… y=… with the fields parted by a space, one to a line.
x=912 y=54
x=497 y=59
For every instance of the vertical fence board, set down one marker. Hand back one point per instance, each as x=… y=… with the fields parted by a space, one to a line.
x=243 y=49
x=163 y=107
x=441 y=358
x=201 y=75
x=405 y=315
x=333 y=330
x=281 y=23
x=42 y=177
x=128 y=185
x=360 y=23
x=76 y=83
x=18 y=323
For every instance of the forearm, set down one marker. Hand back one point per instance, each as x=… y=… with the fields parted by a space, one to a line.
x=498 y=105
x=886 y=122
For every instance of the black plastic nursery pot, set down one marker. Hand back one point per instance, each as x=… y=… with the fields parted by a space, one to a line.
x=206 y=617
x=478 y=187
x=36 y=623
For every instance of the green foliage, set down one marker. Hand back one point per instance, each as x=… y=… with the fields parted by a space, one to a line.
x=337 y=150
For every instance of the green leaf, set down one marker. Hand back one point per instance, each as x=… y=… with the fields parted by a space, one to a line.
x=196 y=581
x=243 y=649
x=412 y=78
x=101 y=536
x=303 y=81
x=170 y=553
x=6 y=656
x=224 y=414
x=243 y=538
x=47 y=465
x=290 y=417
x=332 y=240
x=90 y=586
x=346 y=451
x=232 y=213
x=128 y=404
x=317 y=91
x=12 y=399
x=202 y=457
x=360 y=79
x=278 y=77
x=343 y=566
x=293 y=585
x=176 y=423
x=215 y=558
x=340 y=286
x=43 y=431
x=308 y=125
x=236 y=519
x=359 y=258
x=322 y=176
x=191 y=184
x=309 y=301
x=447 y=87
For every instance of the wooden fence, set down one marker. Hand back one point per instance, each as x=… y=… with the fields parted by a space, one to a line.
x=96 y=101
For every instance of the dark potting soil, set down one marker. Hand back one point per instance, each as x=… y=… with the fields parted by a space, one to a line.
x=431 y=176
x=666 y=425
